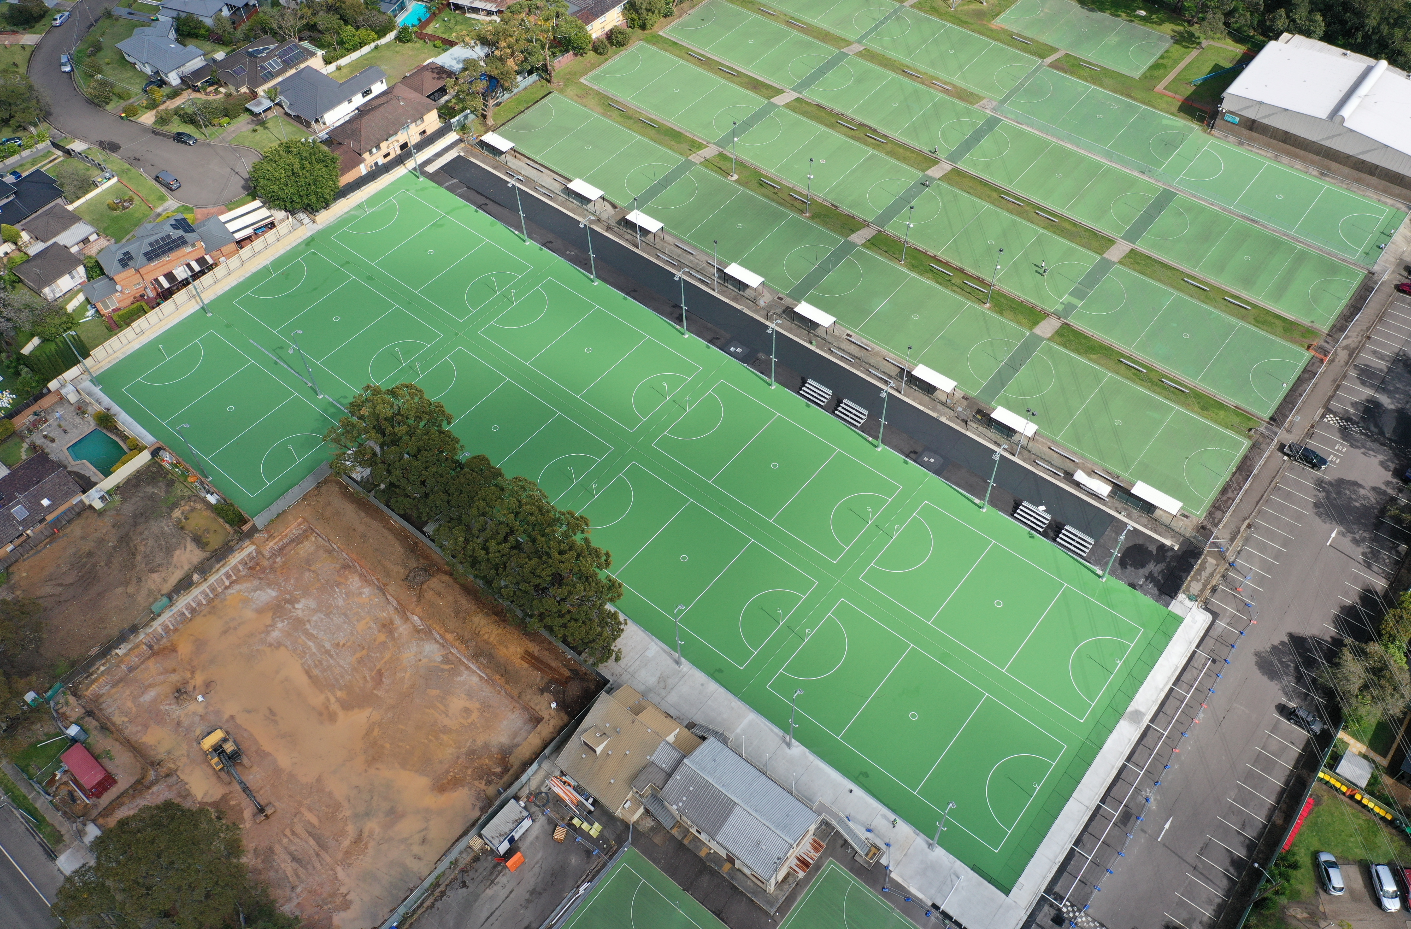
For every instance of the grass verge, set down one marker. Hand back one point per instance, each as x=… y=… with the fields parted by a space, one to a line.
x=1061 y=226
x=835 y=221
x=121 y=225
x=644 y=124
x=894 y=150
x=18 y=798
x=746 y=81
x=1257 y=316
x=924 y=265
x=1371 y=730
x=513 y=106
x=1109 y=358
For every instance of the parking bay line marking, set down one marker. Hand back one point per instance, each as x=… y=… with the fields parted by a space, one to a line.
x=1216 y=866
x=1236 y=828
x=1246 y=809
x=1205 y=911
x=1275 y=757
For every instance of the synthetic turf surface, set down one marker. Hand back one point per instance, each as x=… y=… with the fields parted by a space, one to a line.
x=878 y=300
x=1177 y=152
x=794 y=553
x=1106 y=40
x=837 y=900
x=634 y=894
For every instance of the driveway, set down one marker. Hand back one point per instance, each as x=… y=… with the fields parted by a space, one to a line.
x=210 y=174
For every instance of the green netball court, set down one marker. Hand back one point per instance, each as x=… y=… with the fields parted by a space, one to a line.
x=634 y=894
x=793 y=552
x=1106 y=40
x=881 y=302
x=837 y=900
x=1145 y=140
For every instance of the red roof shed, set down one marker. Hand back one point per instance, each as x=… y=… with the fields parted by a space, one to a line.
x=91 y=776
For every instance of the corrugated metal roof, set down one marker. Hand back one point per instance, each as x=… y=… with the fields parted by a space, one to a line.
x=727 y=798
x=652 y=776
x=660 y=810
x=668 y=757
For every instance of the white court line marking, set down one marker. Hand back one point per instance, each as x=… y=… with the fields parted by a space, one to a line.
x=844 y=730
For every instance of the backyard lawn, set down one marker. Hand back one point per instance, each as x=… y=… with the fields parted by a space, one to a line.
x=454 y=26
x=394 y=58
x=119 y=225
x=107 y=60
x=15 y=56
x=271 y=132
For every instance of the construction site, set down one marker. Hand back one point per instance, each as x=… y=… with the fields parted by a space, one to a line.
x=335 y=690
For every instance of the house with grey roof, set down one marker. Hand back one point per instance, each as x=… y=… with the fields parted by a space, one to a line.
x=319 y=102
x=154 y=50
x=207 y=10
x=56 y=224
x=52 y=272
x=262 y=62
x=32 y=494
x=159 y=259
x=755 y=824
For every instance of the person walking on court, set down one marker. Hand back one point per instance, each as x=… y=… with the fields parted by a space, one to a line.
x=1043 y=269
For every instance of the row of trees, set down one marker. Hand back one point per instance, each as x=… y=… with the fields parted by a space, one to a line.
x=1377 y=28
x=1372 y=677
x=502 y=531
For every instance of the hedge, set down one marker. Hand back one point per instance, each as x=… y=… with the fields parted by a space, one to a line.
x=124 y=460
x=133 y=313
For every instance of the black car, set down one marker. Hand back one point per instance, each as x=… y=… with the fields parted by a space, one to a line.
x=1305 y=720
x=1306 y=456
x=167 y=180
x=185 y=138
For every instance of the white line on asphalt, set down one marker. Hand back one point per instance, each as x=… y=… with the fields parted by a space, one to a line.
x=1203 y=884
x=1255 y=792
x=1370 y=577
x=1285 y=741
x=1281 y=516
x=1273 y=499
x=25 y=876
x=1275 y=757
x=1267 y=542
x=1289 y=475
x=1260 y=522
x=1246 y=809
x=1216 y=866
x=1236 y=828
x=1177 y=921
x=1257 y=771
x=1224 y=846
x=1203 y=910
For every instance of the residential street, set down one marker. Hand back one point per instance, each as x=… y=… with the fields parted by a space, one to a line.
x=28 y=879
x=210 y=174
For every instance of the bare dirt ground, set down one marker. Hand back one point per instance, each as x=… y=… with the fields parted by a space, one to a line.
x=105 y=569
x=379 y=705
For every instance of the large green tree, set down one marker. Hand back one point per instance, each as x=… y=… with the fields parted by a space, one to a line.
x=297 y=175
x=168 y=867
x=21 y=104
x=399 y=437
x=549 y=27
x=510 y=52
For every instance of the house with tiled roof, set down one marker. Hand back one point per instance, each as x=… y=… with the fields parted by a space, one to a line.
x=153 y=50
x=159 y=259
x=56 y=224
x=34 y=492
x=52 y=272
x=431 y=80
x=385 y=125
x=259 y=64
x=22 y=198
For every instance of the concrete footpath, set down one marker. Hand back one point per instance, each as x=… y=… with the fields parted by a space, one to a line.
x=930 y=873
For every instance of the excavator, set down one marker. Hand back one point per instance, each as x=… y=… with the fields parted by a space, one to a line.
x=223 y=754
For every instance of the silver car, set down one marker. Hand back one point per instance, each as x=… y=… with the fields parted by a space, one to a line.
x=1385 y=887
x=1330 y=875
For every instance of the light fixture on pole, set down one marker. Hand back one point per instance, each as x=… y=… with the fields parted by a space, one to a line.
x=793 y=707
x=637 y=225
x=1117 y=548
x=808 y=191
x=682 y=279
x=523 y=226
x=883 y=425
x=200 y=298
x=988 y=293
x=416 y=163
x=993 y=472
x=734 y=175
x=907 y=239
x=1033 y=415
x=592 y=262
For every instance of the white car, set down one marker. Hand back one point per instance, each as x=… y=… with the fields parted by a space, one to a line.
x=1330 y=875
x=1384 y=885
x=62 y=18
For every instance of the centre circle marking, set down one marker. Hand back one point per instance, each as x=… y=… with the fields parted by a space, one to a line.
x=913 y=715
x=999 y=603
x=494 y=428
x=685 y=558
x=774 y=464
x=588 y=350
x=230 y=409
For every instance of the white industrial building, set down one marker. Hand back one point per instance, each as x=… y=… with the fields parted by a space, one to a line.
x=1328 y=107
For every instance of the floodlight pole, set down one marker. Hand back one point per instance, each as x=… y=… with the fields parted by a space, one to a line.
x=676 y=615
x=192 y=449
x=991 y=291
x=905 y=370
x=773 y=342
x=416 y=162
x=714 y=264
x=68 y=339
x=682 y=279
x=523 y=226
x=808 y=191
x=1117 y=548
x=993 y=473
x=304 y=358
x=200 y=297
x=883 y=426
x=793 y=708
x=907 y=240
x=734 y=175
x=592 y=261
x=637 y=225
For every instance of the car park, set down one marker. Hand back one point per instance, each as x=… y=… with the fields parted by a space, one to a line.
x=1306 y=456
x=1330 y=875
x=185 y=138
x=65 y=63
x=1305 y=720
x=167 y=180
x=1384 y=887
x=62 y=18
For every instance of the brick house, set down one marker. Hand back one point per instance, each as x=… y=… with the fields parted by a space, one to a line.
x=260 y=63
x=385 y=125
x=159 y=259
x=319 y=102
x=598 y=15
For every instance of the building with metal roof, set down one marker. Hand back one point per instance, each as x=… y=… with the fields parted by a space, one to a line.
x=1328 y=107
x=153 y=50
x=320 y=102
x=752 y=822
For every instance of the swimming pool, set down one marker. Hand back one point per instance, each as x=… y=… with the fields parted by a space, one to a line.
x=415 y=15
x=98 y=449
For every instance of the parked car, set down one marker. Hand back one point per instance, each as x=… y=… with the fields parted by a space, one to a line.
x=185 y=138
x=1404 y=287
x=168 y=180
x=62 y=18
x=1403 y=881
x=1305 y=721
x=1384 y=886
x=65 y=63
x=1330 y=875
x=12 y=140
x=1306 y=456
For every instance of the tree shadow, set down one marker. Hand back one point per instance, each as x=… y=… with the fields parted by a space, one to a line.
x=1293 y=663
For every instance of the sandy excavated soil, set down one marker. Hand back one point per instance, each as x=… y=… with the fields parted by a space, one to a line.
x=334 y=663
x=104 y=570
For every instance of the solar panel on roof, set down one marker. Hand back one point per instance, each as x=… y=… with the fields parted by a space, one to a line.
x=293 y=54
x=257 y=52
x=163 y=245
x=182 y=223
x=238 y=71
x=20 y=512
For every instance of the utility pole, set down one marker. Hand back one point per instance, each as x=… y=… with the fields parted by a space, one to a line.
x=911 y=214
x=773 y=342
x=416 y=163
x=883 y=425
x=993 y=473
x=1117 y=548
x=714 y=263
x=592 y=262
x=808 y=192
x=677 y=616
x=734 y=175
x=682 y=279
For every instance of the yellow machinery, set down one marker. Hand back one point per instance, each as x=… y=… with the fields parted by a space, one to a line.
x=223 y=754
